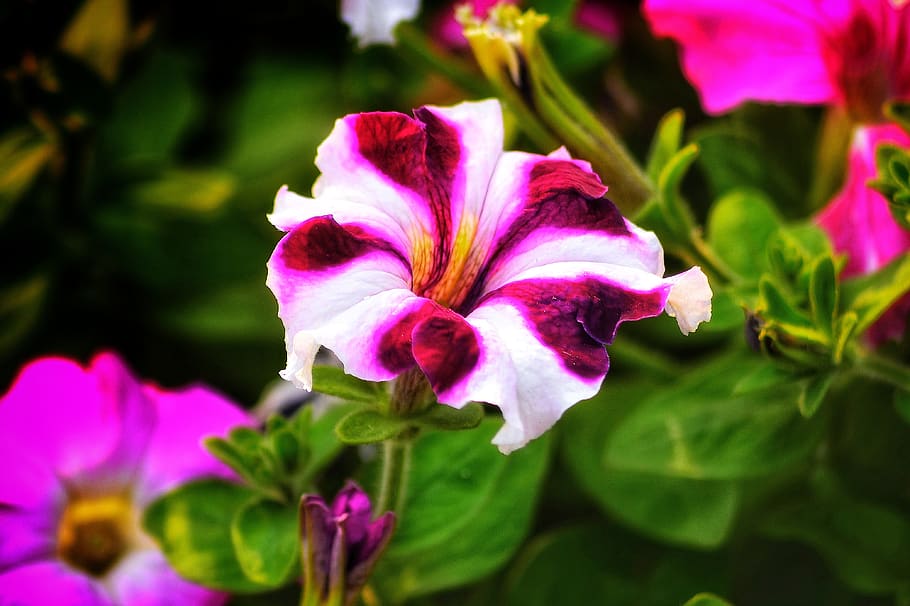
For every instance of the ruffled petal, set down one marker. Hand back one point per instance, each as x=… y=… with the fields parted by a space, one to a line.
x=320 y=271
x=50 y=582
x=764 y=50
x=542 y=210
x=690 y=299
x=90 y=426
x=144 y=578
x=541 y=342
x=175 y=453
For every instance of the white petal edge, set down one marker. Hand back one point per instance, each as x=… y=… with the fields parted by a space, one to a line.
x=374 y=21
x=690 y=299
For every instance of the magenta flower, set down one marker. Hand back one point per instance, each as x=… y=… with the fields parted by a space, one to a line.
x=84 y=451
x=860 y=224
x=500 y=275
x=852 y=53
x=340 y=545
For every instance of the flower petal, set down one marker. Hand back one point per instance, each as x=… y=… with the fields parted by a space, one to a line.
x=858 y=219
x=763 y=50
x=542 y=342
x=542 y=210
x=690 y=299
x=90 y=426
x=50 y=582
x=175 y=453
x=144 y=578
x=318 y=272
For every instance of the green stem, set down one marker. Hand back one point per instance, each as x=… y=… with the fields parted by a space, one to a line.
x=396 y=468
x=703 y=255
x=571 y=115
x=881 y=368
x=415 y=45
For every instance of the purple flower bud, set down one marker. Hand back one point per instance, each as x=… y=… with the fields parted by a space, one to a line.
x=340 y=545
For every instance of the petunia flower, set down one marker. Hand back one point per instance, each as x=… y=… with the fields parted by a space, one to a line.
x=340 y=545
x=374 y=21
x=851 y=53
x=860 y=224
x=84 y=451
x=499 y=275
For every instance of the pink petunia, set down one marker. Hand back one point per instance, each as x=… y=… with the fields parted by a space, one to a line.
x=855 y=53
x=85 y=450
x=500 y=275
x=861 y=226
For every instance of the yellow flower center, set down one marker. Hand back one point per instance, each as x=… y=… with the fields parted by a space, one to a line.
x=462 y=265
x=95 y=532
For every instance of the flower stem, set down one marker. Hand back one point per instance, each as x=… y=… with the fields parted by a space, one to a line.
x=881 y=368
x=415 y=45
x=396 y=467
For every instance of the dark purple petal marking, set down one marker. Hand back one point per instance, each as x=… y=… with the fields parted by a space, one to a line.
x=395 y=351
x=577 y=318
x=322 y=243
x=421 y=155
x=559 y=194
x=562 y=194
x=446 y=348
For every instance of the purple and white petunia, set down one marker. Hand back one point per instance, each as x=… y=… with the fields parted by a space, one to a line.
x=84 y=451
x=500 y=275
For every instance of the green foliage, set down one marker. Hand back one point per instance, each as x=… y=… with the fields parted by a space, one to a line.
x=707 y=599
x=370 y=425
x=467 y=510
x=679 y=510
x=699 y=429
x=866 y=544
x=193 y=526
x=265 y=537
x=333 y=381
x=282 y=461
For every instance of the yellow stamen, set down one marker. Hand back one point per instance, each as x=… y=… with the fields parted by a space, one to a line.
x=95 y=532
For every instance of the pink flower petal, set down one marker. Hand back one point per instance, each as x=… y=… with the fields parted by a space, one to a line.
x=144 y=578
x=49 y=582
x=763 y=50
x=175 y=453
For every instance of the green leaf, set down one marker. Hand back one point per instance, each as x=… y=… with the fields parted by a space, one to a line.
x=698 y=428
x=765 y=376
x=440 y=416
x=707 y=599
x=870 y=296
x=823 y=294
x=266 y=539
x=99 y=35
x=899 y=111
x=334 y=381
x=812 y=393
x=152 y=112
x=183 y=191
x=23 y=155
x=867 y=545
x=467 y=509
x=21 y=305
x=739 y=226
x=666 y=142
x=570 y=567
x=192 y=525
x=902 y=403
x=231 y=455
x=367 y=425
x=324 y=444
x=697 y=513
x=674 y=209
